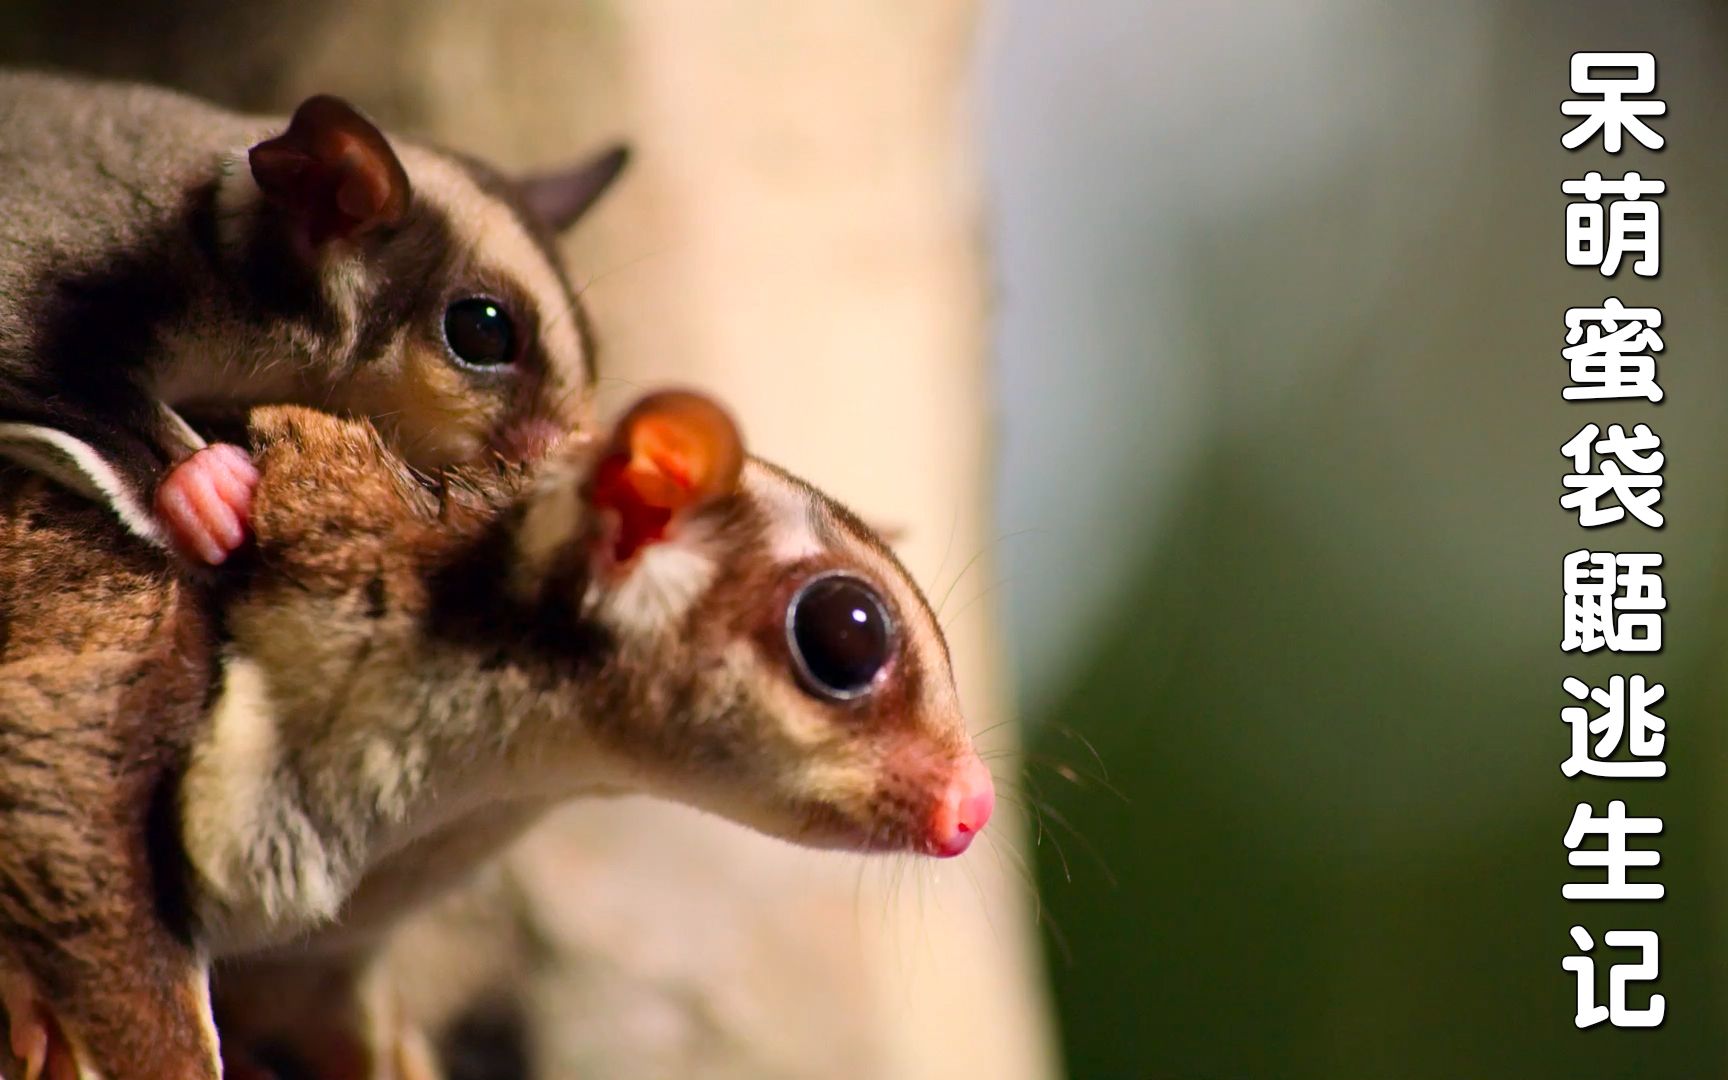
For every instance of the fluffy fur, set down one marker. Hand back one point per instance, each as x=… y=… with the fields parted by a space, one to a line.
x=145 y=276
x=398 y=691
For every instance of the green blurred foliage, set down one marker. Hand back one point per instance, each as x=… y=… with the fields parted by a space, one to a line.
x=1330 y=697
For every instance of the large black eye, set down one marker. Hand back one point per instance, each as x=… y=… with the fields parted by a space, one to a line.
x=479 y=332
x=840 y=635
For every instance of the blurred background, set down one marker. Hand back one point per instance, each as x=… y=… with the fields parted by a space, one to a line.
x=1208 y=358
x=1279 y=306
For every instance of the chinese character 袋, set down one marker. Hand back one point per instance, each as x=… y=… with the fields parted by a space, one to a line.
x=1630 y=472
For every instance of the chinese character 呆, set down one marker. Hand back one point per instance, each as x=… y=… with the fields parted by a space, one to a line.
x=1611 y=113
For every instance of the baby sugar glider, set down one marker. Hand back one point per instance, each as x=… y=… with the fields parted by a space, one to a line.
x=410 y=677
x=164 y=260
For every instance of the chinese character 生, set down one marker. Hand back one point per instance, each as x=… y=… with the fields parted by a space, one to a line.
x=1616 y=858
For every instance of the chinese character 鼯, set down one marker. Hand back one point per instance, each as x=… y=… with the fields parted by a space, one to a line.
x=1612 y=601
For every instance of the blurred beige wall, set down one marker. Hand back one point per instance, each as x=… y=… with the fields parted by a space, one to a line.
x=799 y=234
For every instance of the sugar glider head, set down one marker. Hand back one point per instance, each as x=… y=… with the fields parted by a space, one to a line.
x=774 y=663
x=423 y=289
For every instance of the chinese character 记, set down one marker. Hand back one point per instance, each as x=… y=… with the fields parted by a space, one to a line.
x=1626 y=716
x=1614 y=601
x=1609 y=349
x=1610 y=112
x=1631 y=225
x=1630 y=471
x=1589 y=1014
x=1616 y=858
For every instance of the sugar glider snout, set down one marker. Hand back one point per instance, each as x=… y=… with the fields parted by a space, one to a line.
x=963 y=809
x=842 y=636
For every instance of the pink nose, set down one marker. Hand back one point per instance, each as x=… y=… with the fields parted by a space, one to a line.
x=964 y=809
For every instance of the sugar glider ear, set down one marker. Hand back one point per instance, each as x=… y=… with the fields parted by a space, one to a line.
x=560 y=197
x=333 y=169
x=672 y=454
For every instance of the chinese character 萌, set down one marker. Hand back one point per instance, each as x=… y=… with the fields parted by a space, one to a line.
x=1631 y=225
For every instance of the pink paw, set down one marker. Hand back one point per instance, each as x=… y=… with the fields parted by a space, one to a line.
x=206 y=501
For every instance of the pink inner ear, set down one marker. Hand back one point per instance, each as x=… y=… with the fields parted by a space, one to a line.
x=640 y=523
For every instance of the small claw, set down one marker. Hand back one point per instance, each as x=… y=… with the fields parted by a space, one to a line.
x=30 y=1045
x=206 y=500
x=32 y=1037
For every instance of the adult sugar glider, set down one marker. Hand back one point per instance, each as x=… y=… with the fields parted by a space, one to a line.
x=162 y=260
x=404 y=679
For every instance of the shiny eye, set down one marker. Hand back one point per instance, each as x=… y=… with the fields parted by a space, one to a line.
x=840 y=635
x=479 y=332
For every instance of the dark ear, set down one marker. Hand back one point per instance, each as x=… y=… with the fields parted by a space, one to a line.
x=560 y=197
x=672 y=454
x=333 y=169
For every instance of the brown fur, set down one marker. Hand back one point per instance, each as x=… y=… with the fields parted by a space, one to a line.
x=393 y=699
x=144 y=267
x=103 y=669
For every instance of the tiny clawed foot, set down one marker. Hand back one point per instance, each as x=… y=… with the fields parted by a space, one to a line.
x=206 y=502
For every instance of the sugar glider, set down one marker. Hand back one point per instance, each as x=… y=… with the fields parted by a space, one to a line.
x=406 y=679
x=163 y=260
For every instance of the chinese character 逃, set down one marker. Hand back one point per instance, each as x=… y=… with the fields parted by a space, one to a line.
x=1626 y=716
x=1616 y=857
x=1611 y=113
x=1632 y=225
x=1613 y=600
x=1616 y=1012
x=1609 y=349
x=1636 y=488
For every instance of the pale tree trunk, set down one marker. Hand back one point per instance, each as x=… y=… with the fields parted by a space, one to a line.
x=798 y=234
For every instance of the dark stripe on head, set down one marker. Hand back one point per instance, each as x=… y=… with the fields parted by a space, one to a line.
x=406 y=267
x=507 y=192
